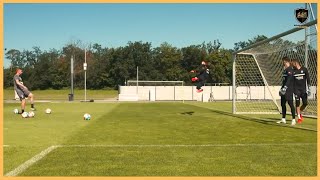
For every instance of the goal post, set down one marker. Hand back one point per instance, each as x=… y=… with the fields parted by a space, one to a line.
x=257 y=70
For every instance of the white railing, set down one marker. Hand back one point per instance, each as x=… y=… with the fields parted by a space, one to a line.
x=188 y=93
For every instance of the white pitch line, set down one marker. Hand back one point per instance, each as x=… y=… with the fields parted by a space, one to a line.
x=30 y=162
x=6 y=145
x=185 y=145
x=43 y=153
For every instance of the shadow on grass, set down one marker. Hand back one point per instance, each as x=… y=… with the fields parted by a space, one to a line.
x=187 y=113
x=266 y=121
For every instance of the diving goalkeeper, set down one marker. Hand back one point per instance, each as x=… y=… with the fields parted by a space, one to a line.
x=203 y=75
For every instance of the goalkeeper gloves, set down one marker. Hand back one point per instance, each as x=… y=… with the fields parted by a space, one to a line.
x=283 y=91
x=308 y=91
x=194 y=79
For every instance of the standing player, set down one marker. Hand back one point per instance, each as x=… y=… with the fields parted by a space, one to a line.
x=286 y=91
x=301 y=87
x=201 y=77
x=22 y=91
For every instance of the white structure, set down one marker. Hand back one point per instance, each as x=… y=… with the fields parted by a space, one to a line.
x=128 y=96
x=188 y=93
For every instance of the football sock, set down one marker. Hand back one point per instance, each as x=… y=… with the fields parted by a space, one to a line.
x=32 y=106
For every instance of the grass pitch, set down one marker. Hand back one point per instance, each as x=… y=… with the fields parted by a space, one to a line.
x=8 y=94
x=156 y=139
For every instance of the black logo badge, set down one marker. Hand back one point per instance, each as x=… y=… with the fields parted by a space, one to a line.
x=301 y=14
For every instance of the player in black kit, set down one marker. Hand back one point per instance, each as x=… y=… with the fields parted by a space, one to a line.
x=202 y=76
x=301 y=87
x=287 y=90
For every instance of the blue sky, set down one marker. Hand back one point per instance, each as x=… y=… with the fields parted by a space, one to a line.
x=112 y=25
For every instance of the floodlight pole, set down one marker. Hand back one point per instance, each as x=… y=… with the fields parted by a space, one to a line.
x=85 y=74
x=137 y=78
x=71 y=98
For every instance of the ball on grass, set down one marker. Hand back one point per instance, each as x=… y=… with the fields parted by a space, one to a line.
x=48 y=111
x=25 y=115
x=31 y=114
x=16 y=111
x=86 y=116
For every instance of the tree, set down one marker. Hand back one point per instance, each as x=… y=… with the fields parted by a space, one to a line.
x=99 y=68
x=243 y=44
x=15 y=57
x=110 y=67
x=168 y=61
x=220 y=66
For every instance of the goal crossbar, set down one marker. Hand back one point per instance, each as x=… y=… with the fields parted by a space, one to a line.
x=276 y=36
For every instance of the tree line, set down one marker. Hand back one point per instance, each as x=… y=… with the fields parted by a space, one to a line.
x=110 y=67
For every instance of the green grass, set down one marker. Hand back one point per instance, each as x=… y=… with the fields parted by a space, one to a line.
x=36 y=134
x=269 y=106
x=8 y=94
x=226 y=108
x=177 y=161
x=234 y=145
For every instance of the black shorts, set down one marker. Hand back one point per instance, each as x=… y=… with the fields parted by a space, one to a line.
x=299 y=93
x=203 y=77
x=289 y=95
x=22 y=93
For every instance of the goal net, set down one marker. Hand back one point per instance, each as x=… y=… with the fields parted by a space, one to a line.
x=257 y=70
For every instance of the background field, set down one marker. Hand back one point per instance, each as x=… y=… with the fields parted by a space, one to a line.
x=8 y=94
x=157 y=139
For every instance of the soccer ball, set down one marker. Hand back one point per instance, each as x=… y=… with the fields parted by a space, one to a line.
x=24 y=115
x=31 y=114
x=86 y=116
x=48 y=111
x=16 y=111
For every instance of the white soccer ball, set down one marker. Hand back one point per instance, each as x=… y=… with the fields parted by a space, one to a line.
x=31 y=114
x=24 y=115
x=16 y=111
x=86 y=116
x=48 y=111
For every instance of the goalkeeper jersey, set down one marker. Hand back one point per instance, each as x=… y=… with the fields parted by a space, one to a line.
x=301 y=78
x=204 y=71
x=288 y=78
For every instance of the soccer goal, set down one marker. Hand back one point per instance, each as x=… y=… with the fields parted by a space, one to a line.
x=257 y=70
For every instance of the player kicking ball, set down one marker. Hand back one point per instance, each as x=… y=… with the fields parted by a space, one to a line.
x=22 y=91
x=201 y=78
x=301 y=87
x=286 y=91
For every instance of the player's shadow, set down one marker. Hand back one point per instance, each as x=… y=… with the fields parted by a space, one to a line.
x=187 y=113
x=267 y=121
